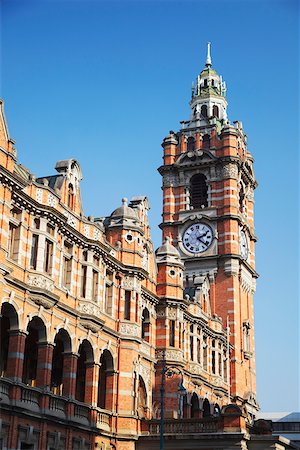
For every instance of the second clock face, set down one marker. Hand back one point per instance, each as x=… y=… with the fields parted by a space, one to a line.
x=197 y=238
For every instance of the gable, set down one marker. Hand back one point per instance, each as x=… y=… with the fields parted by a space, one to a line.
x=195 y=157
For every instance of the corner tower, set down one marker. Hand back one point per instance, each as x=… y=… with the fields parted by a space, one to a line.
x=208 y=186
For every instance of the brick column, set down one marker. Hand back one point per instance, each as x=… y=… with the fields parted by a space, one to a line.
x=44 y=366
x=15 y=357
x=111 y=376
x=69 y=374
x=91 y=383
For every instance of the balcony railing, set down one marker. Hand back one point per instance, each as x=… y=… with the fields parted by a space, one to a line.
x=35 y=399
x=103 y=420
x=186 y=426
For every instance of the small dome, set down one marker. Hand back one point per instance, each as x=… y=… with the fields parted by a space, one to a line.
x=124 y=211
x=167 y=249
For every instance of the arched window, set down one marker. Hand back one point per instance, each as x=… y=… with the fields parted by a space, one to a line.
x=70 y=196
x=105 y=383
x=190 y=144
x=215 y=111
x=85 y=356
x=206 y=141
x=206 y=408
x=198 y=195
x=36 y=333
x=146 y=325
x=204 y=110
x=62 y=343
x=217 y=410
x=194 y=405
x=142 y=399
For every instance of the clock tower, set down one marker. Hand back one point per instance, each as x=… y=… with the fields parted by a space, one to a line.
x=208 y=186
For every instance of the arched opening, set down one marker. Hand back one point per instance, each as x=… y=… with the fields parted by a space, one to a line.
x=184 y=414
x=206 y=141
x=216 y=111
x=85 y=357
x=36 y=334
x=142 y=399
x=105 y=382
x=190 y=144
x=62 y=343
x=5 y=327
x=217 y=410
x=8 y=322
x=194 y=405
x=198 y=193
x=146 y=325
x=70 y=196
x=206 y=408
x=204 y=110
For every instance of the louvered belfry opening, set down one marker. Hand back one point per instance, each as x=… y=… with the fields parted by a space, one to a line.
x=199 y=191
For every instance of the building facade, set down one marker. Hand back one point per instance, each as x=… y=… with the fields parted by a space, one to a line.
x=96 y=326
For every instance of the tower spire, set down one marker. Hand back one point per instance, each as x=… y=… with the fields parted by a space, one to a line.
x=208 y=58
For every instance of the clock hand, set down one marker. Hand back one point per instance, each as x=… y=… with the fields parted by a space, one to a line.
x=199 y=239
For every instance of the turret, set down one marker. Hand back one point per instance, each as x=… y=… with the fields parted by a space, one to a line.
x=170 y=269
x=208 y=103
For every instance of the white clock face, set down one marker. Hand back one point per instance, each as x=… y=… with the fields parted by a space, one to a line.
x=244 y=248
x=197 y=238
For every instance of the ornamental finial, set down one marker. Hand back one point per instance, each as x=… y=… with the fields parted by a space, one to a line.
x=208 y=58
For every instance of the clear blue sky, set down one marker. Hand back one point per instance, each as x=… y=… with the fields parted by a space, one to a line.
x=104 y=82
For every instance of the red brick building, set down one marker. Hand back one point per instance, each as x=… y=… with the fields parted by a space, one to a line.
x=91 y=316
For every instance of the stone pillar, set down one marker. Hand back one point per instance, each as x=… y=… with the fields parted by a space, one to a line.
x=69 y=374
x=44 y=366
x=15 y=356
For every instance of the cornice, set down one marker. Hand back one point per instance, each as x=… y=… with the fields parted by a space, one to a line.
x=11 y=179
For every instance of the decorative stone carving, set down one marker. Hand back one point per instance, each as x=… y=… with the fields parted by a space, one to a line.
x=52 y=200
x=39 y=195
x=173 y=355
x=250 y=194
x=89 y=325
x=86 y=230
x=145 y=373
x=145 y=348
x=42 y=301
x=96 y=234
x=130 y=329
x=71 y=220
x=229 y=170
x=172 y=313
x=128 y=283
x=246 y=280
x=41 y=282
x=170 y=179
x=89 y=308
x=195 y=369
x=145 y=260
